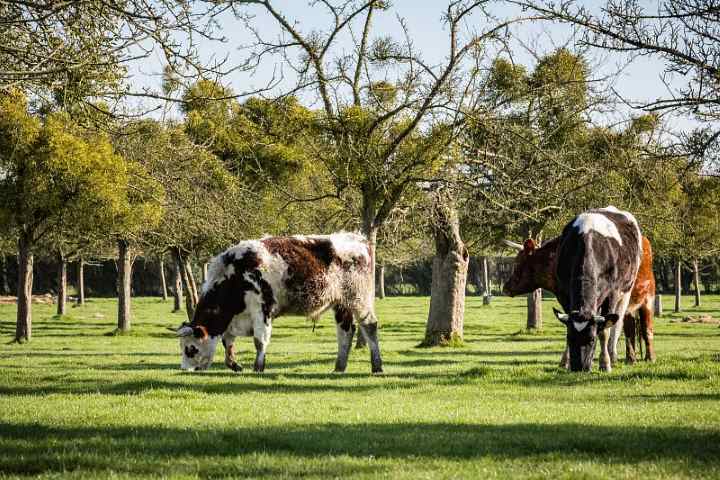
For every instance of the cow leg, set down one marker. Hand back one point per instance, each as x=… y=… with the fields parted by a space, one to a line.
x=228 y=341
x=565 y=359
x=630 y=333
x=603 y=338
x=646 y=329
x=368 y=328
x=345 y=331
x=262 y=329
x=621 y=305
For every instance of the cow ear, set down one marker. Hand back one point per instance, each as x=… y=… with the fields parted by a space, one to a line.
x=200 y=332
x=529 y=245
x=563 y=317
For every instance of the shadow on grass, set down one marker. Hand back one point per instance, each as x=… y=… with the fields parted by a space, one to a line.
x=335 y=449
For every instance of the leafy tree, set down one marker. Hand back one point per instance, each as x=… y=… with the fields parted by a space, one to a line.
x=51 y=171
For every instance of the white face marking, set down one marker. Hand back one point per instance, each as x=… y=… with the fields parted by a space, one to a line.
x=205 y=352
x=580 y=326
x=599 y=223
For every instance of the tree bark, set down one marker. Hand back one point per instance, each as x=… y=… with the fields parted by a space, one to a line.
x=486 y=282
x=658 y=305
x=163 y=281
x=23 y=326
x=449 y=275
x=696 y=280
x=183 y=265
x=178 y=295
x=534 y=310
x=81 y=281
x=4 y=284
x=124 y=285
x=381 y=281
x=191 y=278
x=62 y=284
x=678 y=285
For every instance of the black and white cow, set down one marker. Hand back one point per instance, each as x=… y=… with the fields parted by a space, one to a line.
x=255 y=281
x=598 y=260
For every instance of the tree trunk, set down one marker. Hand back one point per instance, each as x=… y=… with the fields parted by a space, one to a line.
x=381 y=281
x=187 y=282
x=486 y=282
x=163 y=281
x=23 y=327
x=4 y=284
x=449 y=275
x=658 y=305
x=123 y=285
x=81 y=281
x=696 y=280
x=678 y=285
x=370 y=230
x=191 y=278
x=178 y=296
x=62 y=284
x=534 y=310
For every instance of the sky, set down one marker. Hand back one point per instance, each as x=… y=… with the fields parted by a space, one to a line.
x=639 y=81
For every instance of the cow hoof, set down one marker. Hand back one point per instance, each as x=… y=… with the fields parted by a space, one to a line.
x=235 y=367
x=605 y=368
x=377 y=371
x=630 y=360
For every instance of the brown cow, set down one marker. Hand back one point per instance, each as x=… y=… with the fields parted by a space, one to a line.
x=536 y=267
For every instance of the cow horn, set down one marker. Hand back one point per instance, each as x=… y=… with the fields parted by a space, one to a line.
x=510 y=244
x=598 y=318
x=184 y=331
x=563 y=317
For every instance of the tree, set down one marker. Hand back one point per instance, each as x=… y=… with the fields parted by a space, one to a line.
x=51 y=171
x=204 y=209
x=683 y=33
x=379 y=134
x=449 y=274
x=93 y=42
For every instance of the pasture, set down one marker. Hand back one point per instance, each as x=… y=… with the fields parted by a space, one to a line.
x=79 y=403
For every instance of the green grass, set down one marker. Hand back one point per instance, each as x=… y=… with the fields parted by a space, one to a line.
x=77 y=403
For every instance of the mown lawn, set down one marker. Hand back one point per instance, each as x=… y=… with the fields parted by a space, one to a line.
x=76 y=402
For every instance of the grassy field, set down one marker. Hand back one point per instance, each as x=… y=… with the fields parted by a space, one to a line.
x=78 y=403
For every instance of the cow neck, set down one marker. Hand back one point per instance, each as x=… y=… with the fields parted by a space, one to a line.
x=546 y=260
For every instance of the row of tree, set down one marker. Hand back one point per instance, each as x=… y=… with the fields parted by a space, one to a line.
x=423 y=156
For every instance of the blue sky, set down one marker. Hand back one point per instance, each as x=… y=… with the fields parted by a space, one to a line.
x=639 y=81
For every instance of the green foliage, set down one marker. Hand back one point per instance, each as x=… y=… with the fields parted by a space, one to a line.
x=55 y=172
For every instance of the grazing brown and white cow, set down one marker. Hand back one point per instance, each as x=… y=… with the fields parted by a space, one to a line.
x=591 y=268
x=257 y=280
x=535 y=268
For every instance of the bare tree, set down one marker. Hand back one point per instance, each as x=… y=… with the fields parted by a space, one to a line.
x=387 y=113
x=684 y=33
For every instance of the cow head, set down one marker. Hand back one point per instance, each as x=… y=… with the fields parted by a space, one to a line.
x=522 y=279
x=197 y=347
x=582 y=332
